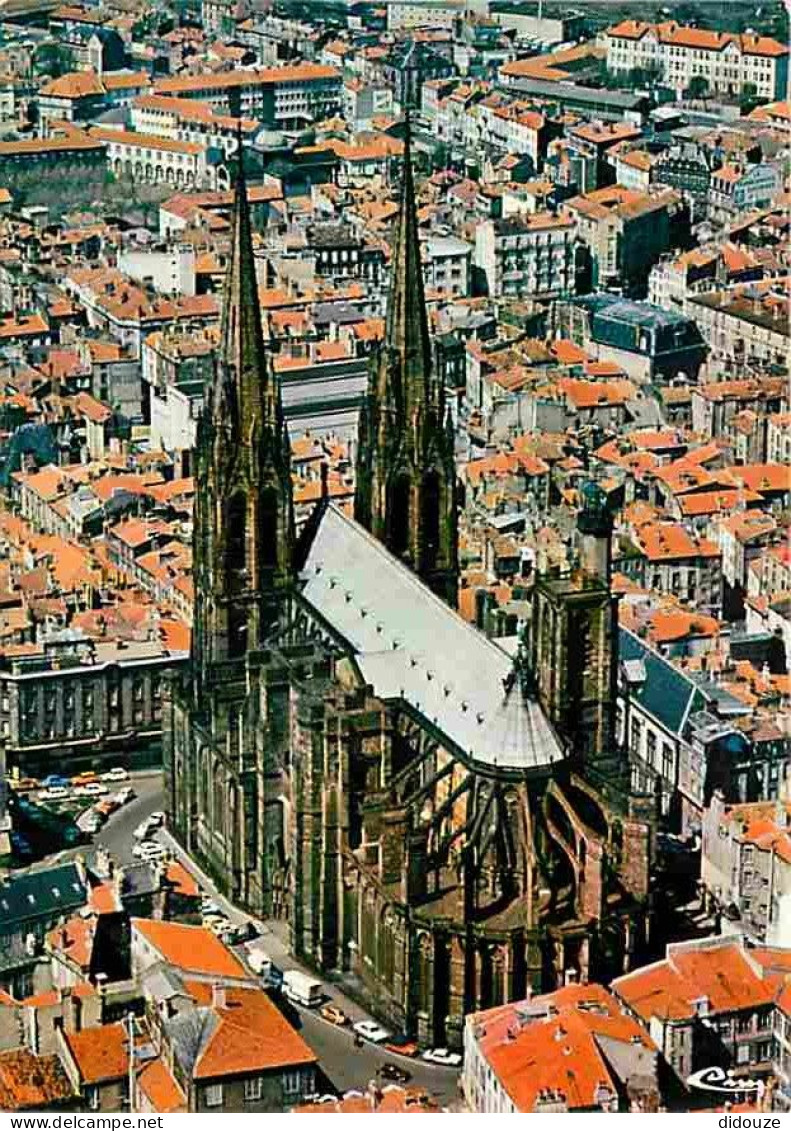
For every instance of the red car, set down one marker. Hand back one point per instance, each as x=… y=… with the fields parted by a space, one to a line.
x=408 y=1048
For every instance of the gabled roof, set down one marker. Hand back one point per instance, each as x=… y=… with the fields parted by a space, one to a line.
x=192 y=949
x=559 y=1042
x=667 y=693
x=31 y=1082
x=715 y=972
x=408 y=645
x=100 y=1053
x=249 y=1034
x=41 y=895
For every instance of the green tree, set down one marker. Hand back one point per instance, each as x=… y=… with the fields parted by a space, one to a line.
x=53 y=59
x=698 y=87
x=748 y=98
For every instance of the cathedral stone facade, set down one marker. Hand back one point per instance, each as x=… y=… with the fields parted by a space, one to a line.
x=440 y=820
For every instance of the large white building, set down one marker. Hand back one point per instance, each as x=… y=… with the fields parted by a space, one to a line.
x=528 y=255
x=726 y=61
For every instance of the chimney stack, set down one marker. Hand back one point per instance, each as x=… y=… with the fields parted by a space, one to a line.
x=218 y=998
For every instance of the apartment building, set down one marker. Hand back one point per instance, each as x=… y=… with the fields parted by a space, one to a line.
x=528 y=255
x=725 y=60
x=513 y=1053
x=287 y=97
x=626 y=232
x=184 y=119
x=748 y=323
x=82 y=698
x=746 y=868
x=707 y=1003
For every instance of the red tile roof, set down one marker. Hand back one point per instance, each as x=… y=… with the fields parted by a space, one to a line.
x=31 y=1082
x=100 y=1053
x=553 y=1043
x=252 y=1035
x=193 y=949
x=720 y=974
x=160 y=1088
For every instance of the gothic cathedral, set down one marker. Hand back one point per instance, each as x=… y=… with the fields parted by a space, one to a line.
x=431 y=814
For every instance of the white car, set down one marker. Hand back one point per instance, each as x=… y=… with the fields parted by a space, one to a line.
x=208 y=908
x=149 y=850
x=118 y=773
x=157 y=818
x=125 y=794
x=94 y=789
x=219 y=927
x=54 y=793
x=371 y=1031
x=143 y=831
x=442 y=1056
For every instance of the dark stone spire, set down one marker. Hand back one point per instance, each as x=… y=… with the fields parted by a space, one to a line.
x=405 y=489
x=244 y=388
x=244 y=522
x=407 y=337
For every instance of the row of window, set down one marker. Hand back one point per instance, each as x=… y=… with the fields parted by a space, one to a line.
x=291 y=1083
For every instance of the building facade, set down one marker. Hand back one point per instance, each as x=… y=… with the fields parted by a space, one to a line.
x=727 y=62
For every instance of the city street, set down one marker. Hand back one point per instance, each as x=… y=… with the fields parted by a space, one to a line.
x=344 y=1065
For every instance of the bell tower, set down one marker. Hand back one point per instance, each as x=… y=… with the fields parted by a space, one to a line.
x=406 y=476
x=244 y=522
x=574 y=637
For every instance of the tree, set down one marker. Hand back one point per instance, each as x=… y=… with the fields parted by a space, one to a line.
x=749 y=99
x=698 y=87
x=53 y=59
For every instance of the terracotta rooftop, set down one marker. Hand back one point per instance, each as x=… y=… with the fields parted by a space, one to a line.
x=192 y=949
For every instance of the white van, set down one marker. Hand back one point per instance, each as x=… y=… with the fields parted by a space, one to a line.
x=302 y=989
x=257 y=959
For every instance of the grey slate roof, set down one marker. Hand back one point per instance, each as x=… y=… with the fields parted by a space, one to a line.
x=409 y=645
x=667 y=694
x=44 y=895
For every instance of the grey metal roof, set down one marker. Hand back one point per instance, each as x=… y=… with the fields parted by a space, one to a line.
x=410 y=646
x=571 y=92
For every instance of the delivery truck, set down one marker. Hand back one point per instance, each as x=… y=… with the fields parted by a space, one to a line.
x=302 y=989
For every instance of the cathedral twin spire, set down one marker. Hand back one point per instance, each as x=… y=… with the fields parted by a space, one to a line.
x=405 y=489
x=244 y=523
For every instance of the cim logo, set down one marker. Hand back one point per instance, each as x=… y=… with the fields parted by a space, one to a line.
x=718 y=1080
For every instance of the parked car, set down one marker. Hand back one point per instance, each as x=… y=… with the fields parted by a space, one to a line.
x=393 y=1072
x=54 y=793
x=334 y=1015
x=107 y=807
x=442 y=1056
x=125 y=795
x=220 y=927
x=85 y=778
x=257 y=959
x=144 y=830
x=149 y=850
x=55 y=781
x=157 y=818
x=90 y=822
x=94 y=789
x=24 y=785
x=402 y=1045
x=118 y=773
x=371 y=1031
